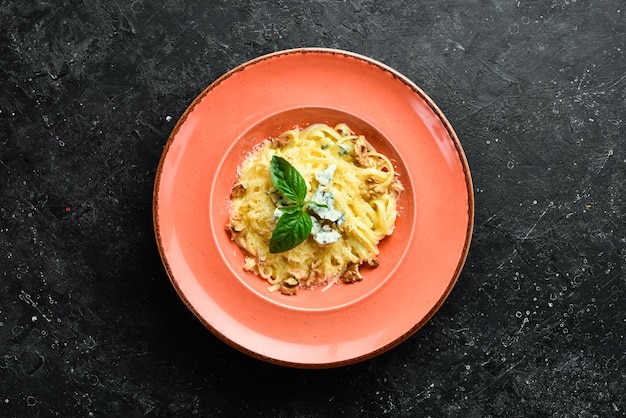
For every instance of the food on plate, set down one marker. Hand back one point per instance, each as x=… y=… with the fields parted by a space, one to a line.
x=310 y=206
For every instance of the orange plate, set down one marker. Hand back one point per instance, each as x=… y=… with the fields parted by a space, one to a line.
x=419 y=263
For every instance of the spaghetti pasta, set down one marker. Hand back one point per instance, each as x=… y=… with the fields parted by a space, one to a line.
x=357 y=186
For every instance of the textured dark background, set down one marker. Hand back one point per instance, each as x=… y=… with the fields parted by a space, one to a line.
x=89 y=323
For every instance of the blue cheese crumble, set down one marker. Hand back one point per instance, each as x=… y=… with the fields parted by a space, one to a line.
x=328 y=213
x=325 y=219
x=323 y=234
x=324 y=177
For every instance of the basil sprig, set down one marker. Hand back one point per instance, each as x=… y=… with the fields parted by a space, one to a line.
x=287 y=180
x=294 y=225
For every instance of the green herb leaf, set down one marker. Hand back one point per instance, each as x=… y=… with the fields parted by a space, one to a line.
x=287 y=179
x=294 y=225
x=291 y=230
x=290 y=209
x=319 y=205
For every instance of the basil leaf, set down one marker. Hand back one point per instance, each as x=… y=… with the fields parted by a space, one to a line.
x=319 y=205
x=290 y=209
x=291 y=230
x=287 y=179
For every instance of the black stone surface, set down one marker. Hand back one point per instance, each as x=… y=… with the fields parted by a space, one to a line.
x=89 y=323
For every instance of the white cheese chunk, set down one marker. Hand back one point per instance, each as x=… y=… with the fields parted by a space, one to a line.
x=278 y=198
x=324 y=177
x=323 y=234
x=328 y=213
x=277 y=214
